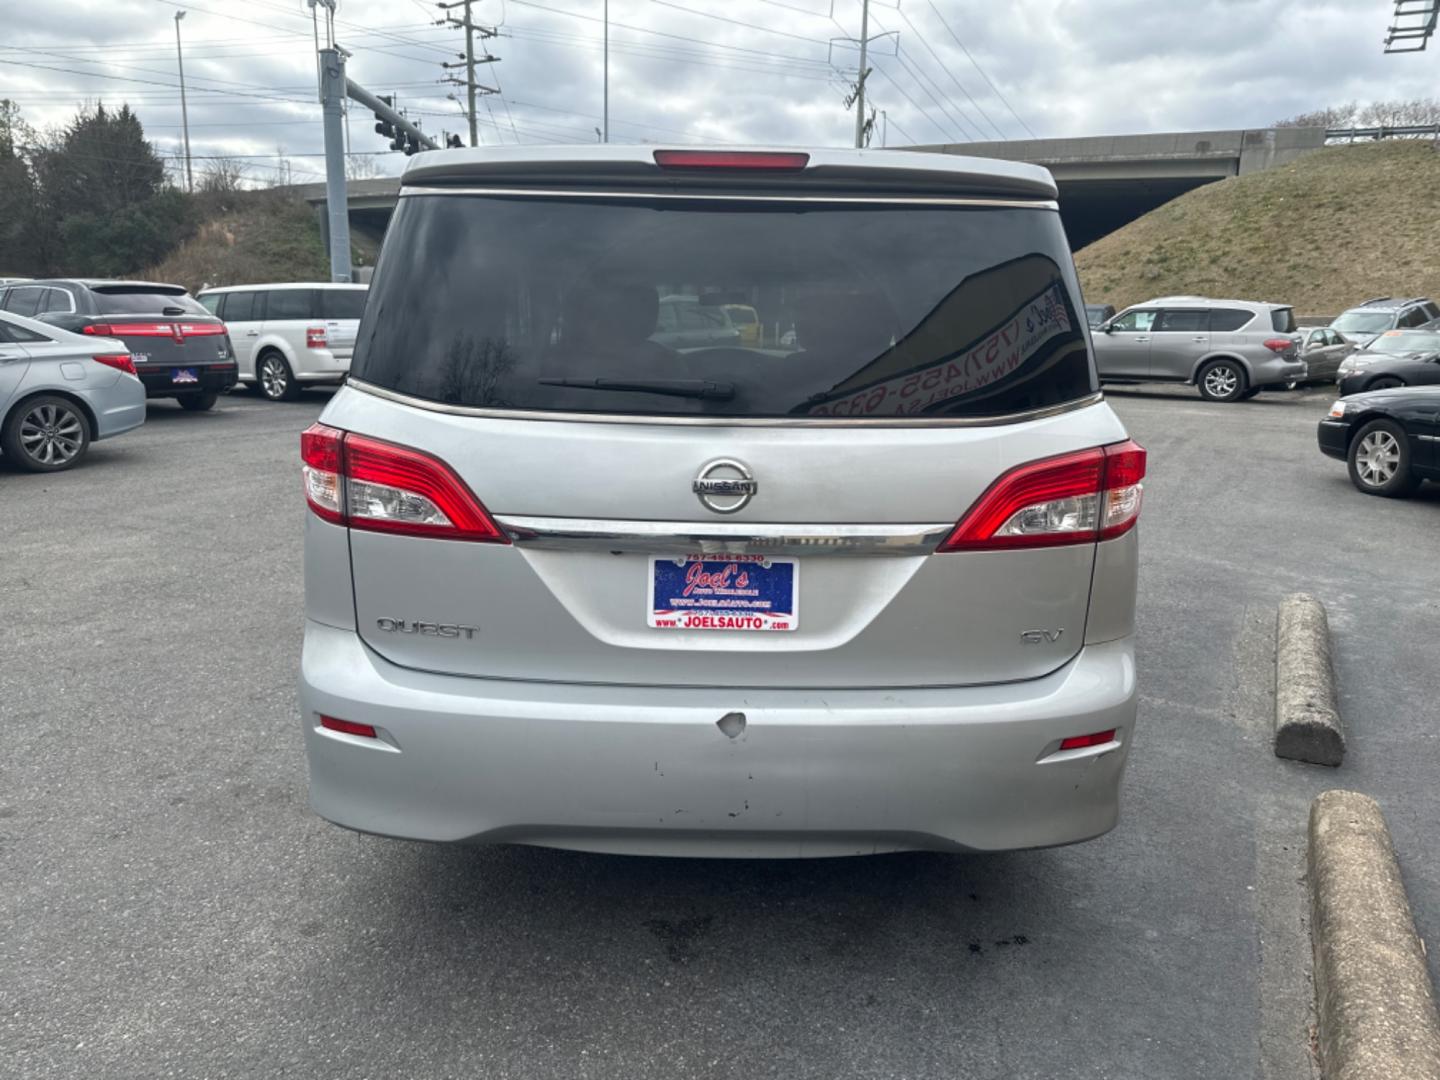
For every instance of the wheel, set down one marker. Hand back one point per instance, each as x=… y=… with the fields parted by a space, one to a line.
x=275 y=379
x=46 y=434
x=1222 y=380
x=1379 y=460
x=1385 y=382
x=198 y=402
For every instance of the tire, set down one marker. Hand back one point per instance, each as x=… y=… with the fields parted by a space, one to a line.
x=1222 y=380
x=1379 y=460
x=1248 y=394
x=1385 y=382
x=274 y=379
x=46 y=434
x=198 y=402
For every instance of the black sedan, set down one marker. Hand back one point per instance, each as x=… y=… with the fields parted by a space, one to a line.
x=1396 y=358
x=1389 y=438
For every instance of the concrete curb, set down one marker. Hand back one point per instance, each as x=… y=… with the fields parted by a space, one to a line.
x=1372 y=989
x=1307 y=720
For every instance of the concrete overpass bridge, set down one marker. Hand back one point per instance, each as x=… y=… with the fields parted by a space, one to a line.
x=1105 y=180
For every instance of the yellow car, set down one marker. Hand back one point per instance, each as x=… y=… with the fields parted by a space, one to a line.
x=745 y=319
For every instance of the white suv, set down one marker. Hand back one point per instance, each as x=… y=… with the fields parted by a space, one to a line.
x=289 y=336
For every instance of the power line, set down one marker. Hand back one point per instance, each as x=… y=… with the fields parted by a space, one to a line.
x=738 y=22
x=981 y=70
x=945 y=68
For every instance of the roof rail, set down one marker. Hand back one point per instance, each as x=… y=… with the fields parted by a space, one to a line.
x=1375 y=300
x=1416 y=300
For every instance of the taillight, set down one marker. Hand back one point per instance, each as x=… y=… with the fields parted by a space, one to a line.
x=179 y=331
x=782 y=161
x=1279 y=344
x=379 y=486
x=119 y=361
x=1076 y=498
x=315 y=337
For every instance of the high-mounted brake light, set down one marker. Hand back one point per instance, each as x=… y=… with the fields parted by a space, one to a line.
x=379 y=486
x=119 y=361
x=1076 y=498
x=731 y=159
x=315 y=337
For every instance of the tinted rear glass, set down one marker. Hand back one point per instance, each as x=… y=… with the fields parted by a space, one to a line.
x=864 y=310
x=1184 y=321
x=1223 y=319
x=139 y=301
x=342 y=303
x=24 y=300
x=1283 y=320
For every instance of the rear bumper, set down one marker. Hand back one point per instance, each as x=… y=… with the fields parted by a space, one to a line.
x=210 y=379
x=1268 y=372
x=647 y=770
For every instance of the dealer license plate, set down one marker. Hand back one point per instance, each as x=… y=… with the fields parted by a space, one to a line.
x=742 y=592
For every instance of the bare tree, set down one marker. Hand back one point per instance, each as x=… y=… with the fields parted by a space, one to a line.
x=223 y=176
x=361 y=167
x=1417 y=112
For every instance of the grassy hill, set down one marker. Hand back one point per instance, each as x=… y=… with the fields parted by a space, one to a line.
x=248 y=237
x=1339 y=225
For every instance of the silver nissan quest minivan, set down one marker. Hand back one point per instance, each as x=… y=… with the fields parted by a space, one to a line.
x=861 y=582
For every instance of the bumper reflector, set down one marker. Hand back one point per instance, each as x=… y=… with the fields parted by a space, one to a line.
x=348 y=727
x=1082 y=742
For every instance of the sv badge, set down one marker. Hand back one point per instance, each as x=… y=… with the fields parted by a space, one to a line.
x=1041 y=637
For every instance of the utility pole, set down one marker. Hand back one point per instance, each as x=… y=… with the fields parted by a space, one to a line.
x=471 y=86
x=884 y=129
x=606 y=110
x=337 y=206
x=184 y=111
x=860 y=85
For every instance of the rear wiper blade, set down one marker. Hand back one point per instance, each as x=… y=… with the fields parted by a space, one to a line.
x=691 y=388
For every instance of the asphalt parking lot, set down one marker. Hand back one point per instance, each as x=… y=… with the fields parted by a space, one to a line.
x=170 y=908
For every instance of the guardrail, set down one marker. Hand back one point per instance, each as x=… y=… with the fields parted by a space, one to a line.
x=1403 y=131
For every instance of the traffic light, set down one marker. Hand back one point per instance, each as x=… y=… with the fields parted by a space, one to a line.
x=383 y=126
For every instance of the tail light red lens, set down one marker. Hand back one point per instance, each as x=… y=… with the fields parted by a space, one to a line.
x=1075 y=498
x=379 y=486
x=315 y=337
x=146 y=329
x=348 y=727
x=781 y=161
x=119 y=361
x=1279 y=344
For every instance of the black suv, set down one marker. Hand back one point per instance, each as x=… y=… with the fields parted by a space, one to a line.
x=1365 y=322
x=180 y=350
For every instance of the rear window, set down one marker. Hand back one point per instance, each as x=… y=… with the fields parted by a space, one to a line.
x=619 y=306
x=240 y=306
x=1282 y=320
x=1226 y=319
x=342 y=303
x=129 y=300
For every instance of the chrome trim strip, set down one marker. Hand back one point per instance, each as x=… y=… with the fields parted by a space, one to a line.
x=1428 y=438
x=722 y=538
x=725 y=421
x=571 y=193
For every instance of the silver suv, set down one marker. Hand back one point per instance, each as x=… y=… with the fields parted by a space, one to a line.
x=1365 y=322
x=864 y=585
x=1230 y=349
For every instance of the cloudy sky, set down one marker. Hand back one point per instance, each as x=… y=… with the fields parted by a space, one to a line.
x=683 y=71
